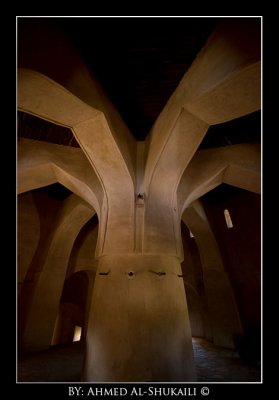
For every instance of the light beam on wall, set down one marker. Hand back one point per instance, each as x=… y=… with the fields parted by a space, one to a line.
x=228 y=219
x=77 y=333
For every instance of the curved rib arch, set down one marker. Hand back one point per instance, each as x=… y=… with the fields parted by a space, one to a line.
x=60 y=60
x=43 y=97
x=222 y=84
x=41 y=164
x=237 y=165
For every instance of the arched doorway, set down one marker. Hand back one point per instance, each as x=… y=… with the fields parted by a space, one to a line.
x=72 y=309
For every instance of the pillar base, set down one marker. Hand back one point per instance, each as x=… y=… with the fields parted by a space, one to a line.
x=139 y=328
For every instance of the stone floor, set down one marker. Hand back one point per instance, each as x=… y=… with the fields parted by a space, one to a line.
x=64 y=364
x=217 y=364
x=57 y=364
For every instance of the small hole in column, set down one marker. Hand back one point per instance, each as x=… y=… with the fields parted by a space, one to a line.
x=130 y=273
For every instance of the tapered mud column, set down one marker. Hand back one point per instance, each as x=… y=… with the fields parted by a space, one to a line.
x=139 y=326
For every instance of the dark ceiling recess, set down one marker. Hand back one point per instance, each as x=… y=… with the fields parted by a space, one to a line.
x=246 y=129
x=31 y=127
x=139 y=61
x=221 y=194
x=55 y=191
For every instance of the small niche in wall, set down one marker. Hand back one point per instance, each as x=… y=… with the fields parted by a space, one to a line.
x=77 y=333
x=228 y=219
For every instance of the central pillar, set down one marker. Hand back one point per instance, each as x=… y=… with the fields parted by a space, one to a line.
x=139 y=328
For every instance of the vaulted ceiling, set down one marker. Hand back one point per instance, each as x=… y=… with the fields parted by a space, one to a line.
x=139 y=62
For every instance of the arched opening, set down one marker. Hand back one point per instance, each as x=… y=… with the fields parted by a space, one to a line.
x=194 y=285
x=72 y=317
x=58 y=215
x=237 y=269
x=39 y=211
x=72 y=309
x=240 y=248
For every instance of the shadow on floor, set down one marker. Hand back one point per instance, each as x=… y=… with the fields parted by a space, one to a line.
x=64 y=364
x=58 y=364
x=217 y=364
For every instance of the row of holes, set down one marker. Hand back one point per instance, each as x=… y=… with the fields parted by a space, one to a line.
x=131 y=273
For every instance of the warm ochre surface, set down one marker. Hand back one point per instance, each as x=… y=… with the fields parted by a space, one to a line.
x=135 y=317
